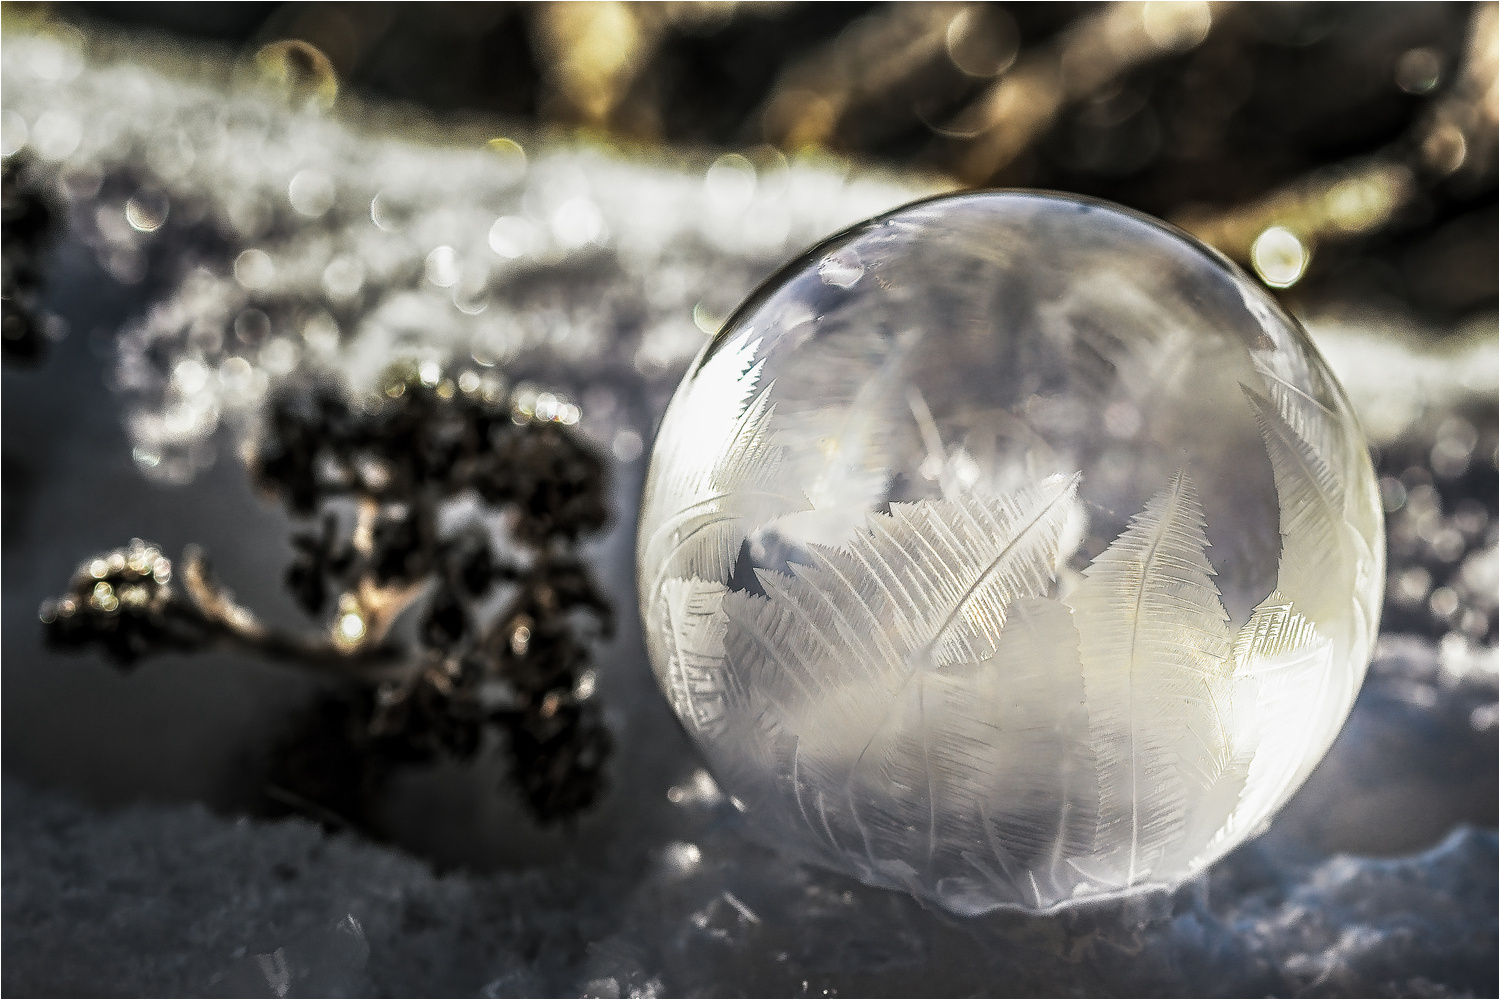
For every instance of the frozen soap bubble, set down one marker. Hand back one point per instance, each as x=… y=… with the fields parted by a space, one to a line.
x=1010 y=549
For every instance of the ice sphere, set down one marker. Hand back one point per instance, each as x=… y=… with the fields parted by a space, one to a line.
x=1010 y=549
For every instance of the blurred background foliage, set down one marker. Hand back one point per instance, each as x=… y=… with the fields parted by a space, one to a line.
x=1344 y=151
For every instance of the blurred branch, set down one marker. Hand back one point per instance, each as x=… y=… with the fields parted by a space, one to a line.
x=1009 y=115
x=1457 y=136
x=1344 y=200
x=1460 y=133
x=882 y=58
x=594 y=49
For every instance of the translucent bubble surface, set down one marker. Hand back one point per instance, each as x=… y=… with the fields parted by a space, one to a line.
x=1010 y=549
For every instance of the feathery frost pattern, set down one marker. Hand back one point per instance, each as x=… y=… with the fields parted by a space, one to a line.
x=1156 y=674
x=694 y=518
x=1039 y=783
x=920 y=709
x=693 y=620
x=1311 y=500
x=853 y=657
x=1285 y=669
x=1320 y=432
x=1318 y=573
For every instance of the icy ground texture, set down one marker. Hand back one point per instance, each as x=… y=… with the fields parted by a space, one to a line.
x=174 y=901
x=656 y=891
x=1011 y=549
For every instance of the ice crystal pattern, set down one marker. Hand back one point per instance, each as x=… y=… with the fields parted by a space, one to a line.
x=956 y=667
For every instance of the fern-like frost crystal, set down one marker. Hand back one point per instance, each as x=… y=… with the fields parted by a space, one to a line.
x=1024 y=554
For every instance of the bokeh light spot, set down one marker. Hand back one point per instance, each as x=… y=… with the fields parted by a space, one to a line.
x=1279 y=257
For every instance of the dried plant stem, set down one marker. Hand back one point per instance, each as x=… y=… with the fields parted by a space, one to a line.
x=228 y=623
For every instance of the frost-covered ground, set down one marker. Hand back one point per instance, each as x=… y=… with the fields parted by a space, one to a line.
x=126 y=870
